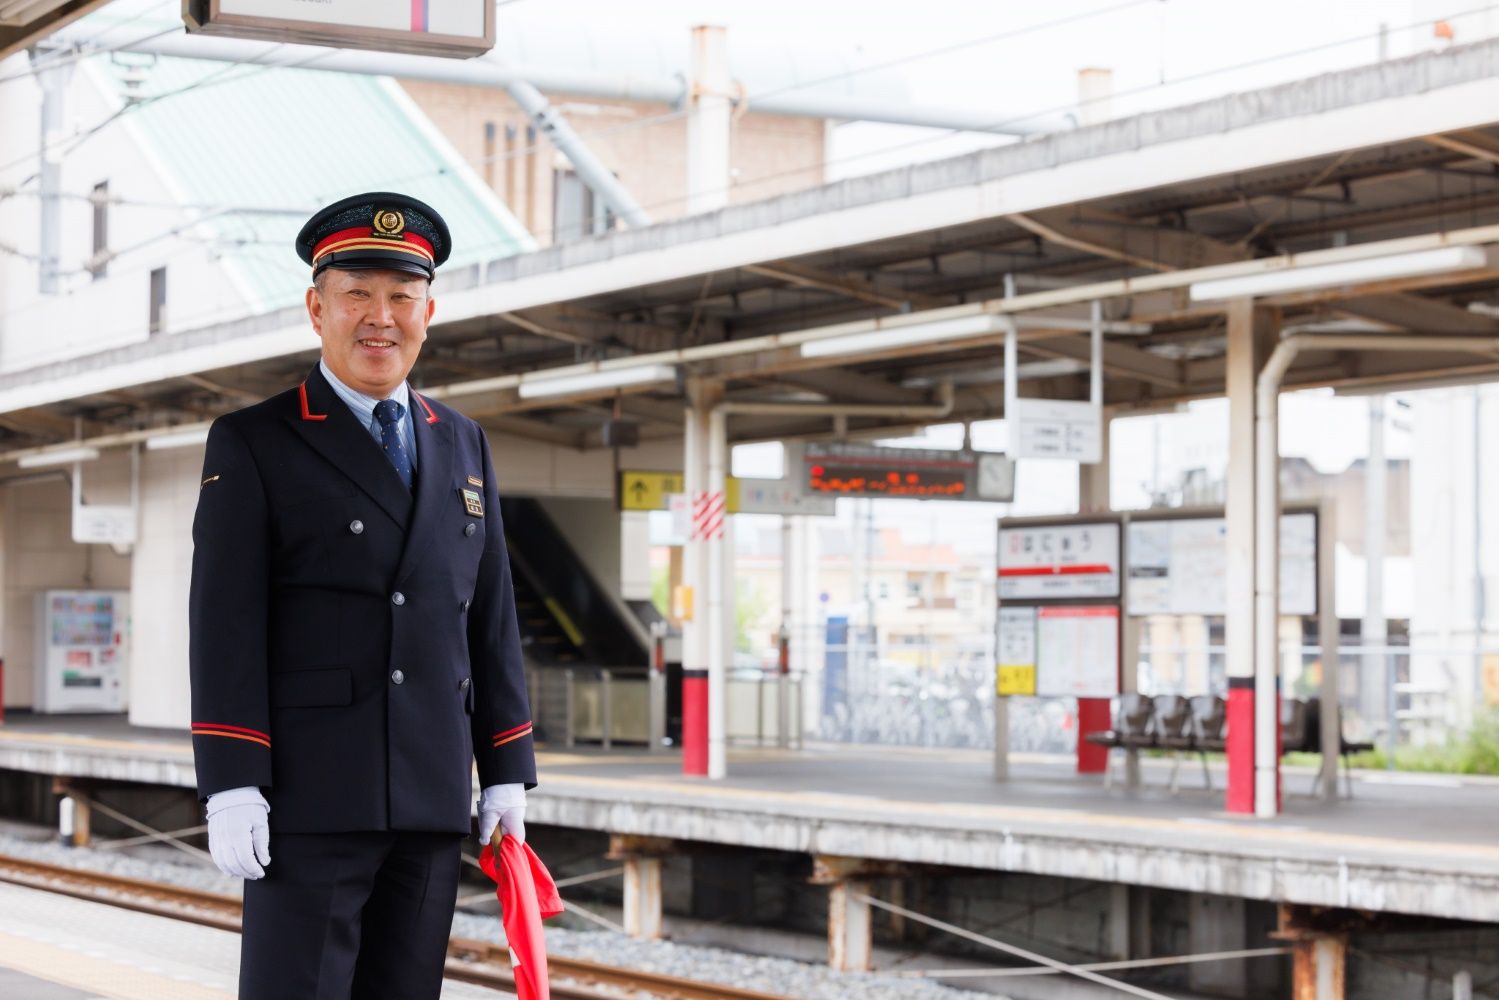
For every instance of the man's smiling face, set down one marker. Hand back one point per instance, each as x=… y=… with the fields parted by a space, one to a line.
x=372 y=323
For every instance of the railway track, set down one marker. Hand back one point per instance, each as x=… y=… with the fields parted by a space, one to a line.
x=477 y=962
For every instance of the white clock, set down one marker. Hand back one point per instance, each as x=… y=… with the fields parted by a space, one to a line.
x=996 y=477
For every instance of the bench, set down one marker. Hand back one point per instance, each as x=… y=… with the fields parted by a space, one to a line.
x=1200 y=725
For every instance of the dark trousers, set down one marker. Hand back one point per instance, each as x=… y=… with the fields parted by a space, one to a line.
x=350 y=916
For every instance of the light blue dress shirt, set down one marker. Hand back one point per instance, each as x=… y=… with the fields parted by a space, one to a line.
x=364 y=410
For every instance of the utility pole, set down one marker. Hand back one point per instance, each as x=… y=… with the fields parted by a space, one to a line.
x=54 y=82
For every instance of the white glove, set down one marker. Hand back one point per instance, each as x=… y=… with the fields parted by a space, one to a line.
x=239 y=838
x=503 y=806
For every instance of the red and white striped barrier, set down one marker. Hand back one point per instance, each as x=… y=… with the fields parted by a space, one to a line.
x=708 y=510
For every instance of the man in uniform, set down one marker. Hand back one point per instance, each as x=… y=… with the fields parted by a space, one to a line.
x=354 y=645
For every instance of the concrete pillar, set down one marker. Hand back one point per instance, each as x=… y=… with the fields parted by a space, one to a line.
x=1251 y=337
x=709 y=121
x=642 y=858
x=1095 y=91
x=699 y=638
x=74 y=815
x=1120 y=922
x=643 y=897
x=849 y=938
x=1317 y=968
x=54 y=85
x=1218 y=924
x=1374 y=631
x=720 y=587
x=1093 y=713
x=850 y=928
x=635 y=555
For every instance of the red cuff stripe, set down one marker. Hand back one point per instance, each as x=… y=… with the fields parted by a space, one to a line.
x=514 y=729
x=232 y=736
x=501 y=741
x=232 y=729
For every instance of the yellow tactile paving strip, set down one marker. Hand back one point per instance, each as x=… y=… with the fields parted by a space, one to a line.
x=94 y=742
x=1211 y=833
x=96 y=975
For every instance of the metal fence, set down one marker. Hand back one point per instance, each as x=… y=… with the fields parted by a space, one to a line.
x=942 y=694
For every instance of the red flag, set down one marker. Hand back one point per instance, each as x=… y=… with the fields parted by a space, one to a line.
x=527 y=896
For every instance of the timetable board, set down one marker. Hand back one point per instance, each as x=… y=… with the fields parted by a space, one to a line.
x=1077 y=651
x=1059 y=562
x=1179 y=566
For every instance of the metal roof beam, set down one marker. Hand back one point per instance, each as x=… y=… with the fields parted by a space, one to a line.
x=1418 y=314
x=1118 y=359
x=1469 y=143
x=846 y=386
x=855 y=288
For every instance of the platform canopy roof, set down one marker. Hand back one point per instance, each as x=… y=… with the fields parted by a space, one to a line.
x=1124 y=212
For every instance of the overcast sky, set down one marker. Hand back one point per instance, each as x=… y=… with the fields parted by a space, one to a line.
x=1013 y=60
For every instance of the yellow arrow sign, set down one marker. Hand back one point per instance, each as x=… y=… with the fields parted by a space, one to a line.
x=647 y=490
x=640 y=490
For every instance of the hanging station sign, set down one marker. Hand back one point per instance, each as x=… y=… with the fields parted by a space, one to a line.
x=456 y=28
x=1057 y=428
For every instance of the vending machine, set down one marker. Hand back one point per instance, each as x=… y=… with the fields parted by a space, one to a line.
x=81 y=651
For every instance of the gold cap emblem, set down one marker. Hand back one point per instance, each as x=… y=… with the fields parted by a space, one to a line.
x=389 y=222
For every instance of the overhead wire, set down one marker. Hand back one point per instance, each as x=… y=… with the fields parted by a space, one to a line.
x=1002 y=36
x=761 y=179
x=66 y=59
x=211 y=79
x=944 y=134
x=680 y=112
x=1062 y=108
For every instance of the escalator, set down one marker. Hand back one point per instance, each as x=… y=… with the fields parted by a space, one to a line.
x=568 y=620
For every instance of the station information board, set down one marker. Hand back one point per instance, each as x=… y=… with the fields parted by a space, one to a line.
x=1179 y=566
x=1059 y=562
x=1016 y=669
x=907 y=473
x=458 y=28
x=1077 y=651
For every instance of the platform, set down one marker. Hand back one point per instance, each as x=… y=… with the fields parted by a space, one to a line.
x=54 y=947
x=1405 y=843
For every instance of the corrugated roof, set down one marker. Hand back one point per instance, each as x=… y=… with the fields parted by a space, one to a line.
x=296 y=139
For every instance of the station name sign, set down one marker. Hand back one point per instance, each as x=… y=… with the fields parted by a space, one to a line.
x=906 y=473
x=1059 y=562
x=456 y=28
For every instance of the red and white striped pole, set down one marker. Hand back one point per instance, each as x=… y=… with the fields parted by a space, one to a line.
x=715 y=511
x=699 y=638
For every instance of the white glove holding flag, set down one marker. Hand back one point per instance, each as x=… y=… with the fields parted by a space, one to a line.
x=503 y=806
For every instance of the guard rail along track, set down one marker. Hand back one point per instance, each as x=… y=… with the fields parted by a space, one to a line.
x=477 y=962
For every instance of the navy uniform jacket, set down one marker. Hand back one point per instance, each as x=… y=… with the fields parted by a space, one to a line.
x=354 y=644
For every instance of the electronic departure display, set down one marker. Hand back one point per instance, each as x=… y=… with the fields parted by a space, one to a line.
x=911 y=473
x=874 y=481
